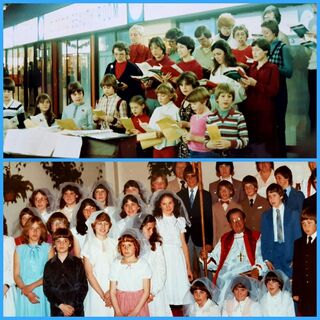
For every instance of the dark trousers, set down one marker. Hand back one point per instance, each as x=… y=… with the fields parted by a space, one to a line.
x=312 y=85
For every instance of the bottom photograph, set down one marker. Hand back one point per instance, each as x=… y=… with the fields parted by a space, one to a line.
x=157 y=239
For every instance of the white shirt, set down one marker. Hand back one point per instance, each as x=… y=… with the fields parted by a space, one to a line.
x=169 y=110
x=209 y=309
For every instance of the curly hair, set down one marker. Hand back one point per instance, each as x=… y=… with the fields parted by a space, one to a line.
x=69 y=187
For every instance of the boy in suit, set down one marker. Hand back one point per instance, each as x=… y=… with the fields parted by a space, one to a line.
x=280 y=227
x=304 y=278
x=253 y=205
x=191 y=199
x=292 y=198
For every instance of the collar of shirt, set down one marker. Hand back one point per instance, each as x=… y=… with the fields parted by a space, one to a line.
x=8 y=105
x=195 y=189
x=313 y=236
x=288 y=190
x=227 y=179
x=238 y=235
x=253 y=198
x=281 y=208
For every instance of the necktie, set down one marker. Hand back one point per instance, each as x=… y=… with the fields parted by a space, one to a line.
x=279 y=226
x=285 y=196
x=183 y=185
x=191 y=197
x=309 y=240
x=251 y=202
x=224 y=202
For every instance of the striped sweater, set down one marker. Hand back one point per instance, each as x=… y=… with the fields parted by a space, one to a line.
x=233 y=127
x=13 y=113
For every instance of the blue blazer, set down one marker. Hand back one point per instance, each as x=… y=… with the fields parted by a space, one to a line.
x=295 y=200
x=292 y=231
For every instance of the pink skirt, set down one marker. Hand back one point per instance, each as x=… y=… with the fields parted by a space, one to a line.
x=128 y=300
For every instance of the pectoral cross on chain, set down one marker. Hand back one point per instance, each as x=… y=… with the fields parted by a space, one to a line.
x=241 y=256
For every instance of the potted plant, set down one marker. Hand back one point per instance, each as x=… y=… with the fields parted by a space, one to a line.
x=14 y=187
x=160 y=167
x=61 y=172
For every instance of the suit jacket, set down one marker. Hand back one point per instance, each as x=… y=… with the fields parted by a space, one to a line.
x=174 y=185
x=311 y=202
x=195 y=217
x=295 y=200
x=254 y=213
x=304 y=277
x=220 y=222
x=134 y=87
x=238 y=196
x=292 y=231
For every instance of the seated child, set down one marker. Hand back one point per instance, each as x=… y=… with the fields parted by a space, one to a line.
x=138 y=109
x=241 y=302
x=44 y=106
x=80 y=112
x=111 y=104
x=198 y=98
x=204 y=305
x=166 y=95
x=231 y=124
x=304 y=277
x=13 y=111
x=277 y=301
x=64 y=280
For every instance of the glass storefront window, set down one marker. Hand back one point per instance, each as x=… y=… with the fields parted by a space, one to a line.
x=84 y=67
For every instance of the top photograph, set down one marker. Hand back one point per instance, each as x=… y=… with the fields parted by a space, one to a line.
x=159 y=80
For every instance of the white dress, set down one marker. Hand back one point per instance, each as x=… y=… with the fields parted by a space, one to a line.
x=159 y=306
x=101 y=254
x=9 y=299
x=81 y=238
x=280 y=304
x=177 y=283
x=245 y=308
x=130 y=277
x=208 y=310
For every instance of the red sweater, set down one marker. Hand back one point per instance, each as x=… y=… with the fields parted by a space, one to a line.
x=242 y=54
x=143 y=118
x=193 y=66
x=139 y=53
x=166 y=61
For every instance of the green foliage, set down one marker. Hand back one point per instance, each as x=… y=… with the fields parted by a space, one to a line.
x=14 y=187
x=160 y=167
x=61 y=172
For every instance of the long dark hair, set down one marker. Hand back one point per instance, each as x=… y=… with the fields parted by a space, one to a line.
x=155 y=237
x=81 y=226
x=229 y=58
x=157 y=212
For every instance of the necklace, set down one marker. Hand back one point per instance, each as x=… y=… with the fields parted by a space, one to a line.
x=239 y=249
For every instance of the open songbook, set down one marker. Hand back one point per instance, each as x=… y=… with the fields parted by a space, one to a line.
x=150 y=71
x=299 y=29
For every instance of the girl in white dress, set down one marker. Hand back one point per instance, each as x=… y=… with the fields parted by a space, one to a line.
x=130 y=279
x=158 y=301
x=82 y=213
x=168 y=211
x=42 y=200
x=136 y=188
x=204 y=296
x=241 y=298
x=70 y=196
x=98 y=253
x=130 y=206
x=9 y=291
x=277 y=301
